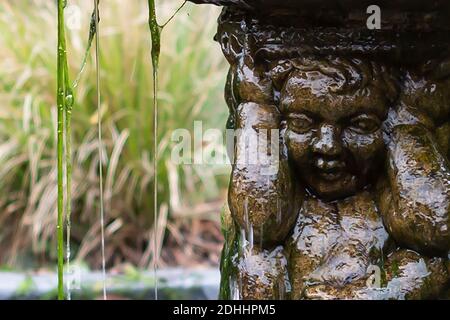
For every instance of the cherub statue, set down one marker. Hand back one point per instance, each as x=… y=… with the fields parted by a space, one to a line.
x=359 y=207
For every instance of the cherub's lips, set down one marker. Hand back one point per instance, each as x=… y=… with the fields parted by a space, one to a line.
x=329 y=169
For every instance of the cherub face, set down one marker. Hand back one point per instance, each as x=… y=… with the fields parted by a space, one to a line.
x=334 y=139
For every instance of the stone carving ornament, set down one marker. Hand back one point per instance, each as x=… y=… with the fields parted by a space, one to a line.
x=359 y=206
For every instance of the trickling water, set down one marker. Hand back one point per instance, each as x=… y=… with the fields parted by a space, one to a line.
x=250 y=237
x=240 y=246
x=261 y=233
x=155 y=32
x=100 y=144
x=248 y=228
x=234 y=290
x=68 y=101
x=67 y=134
x=92 y=32
x=278 y=212
x=244 y=238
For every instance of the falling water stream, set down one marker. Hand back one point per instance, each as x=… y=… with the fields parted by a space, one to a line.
x=92 y=33
x=155 y=33
x=68 y=116
x=65 y=100
x=69 y=100
x=100 y=145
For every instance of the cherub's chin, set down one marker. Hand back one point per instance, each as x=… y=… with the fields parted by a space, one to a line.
x=333 y=186
x=331 y=176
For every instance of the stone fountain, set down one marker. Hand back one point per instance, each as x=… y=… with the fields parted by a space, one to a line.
x=340 y=187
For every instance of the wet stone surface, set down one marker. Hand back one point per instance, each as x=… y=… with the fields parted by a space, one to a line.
x=357 y=205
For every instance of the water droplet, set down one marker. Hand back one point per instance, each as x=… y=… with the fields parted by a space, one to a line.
x=69 y=100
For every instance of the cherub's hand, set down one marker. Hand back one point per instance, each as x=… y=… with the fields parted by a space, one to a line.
x=406 y=275
x=263 y=197
x=262 y=274
x=410 y=276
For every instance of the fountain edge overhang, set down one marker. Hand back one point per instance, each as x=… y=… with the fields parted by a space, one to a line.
x=411 y=31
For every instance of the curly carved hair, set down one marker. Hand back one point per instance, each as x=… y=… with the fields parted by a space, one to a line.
x=350 y=74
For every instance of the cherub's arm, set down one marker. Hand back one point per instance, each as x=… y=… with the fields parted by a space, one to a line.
x=416 y=204
x=415 y=201
x=262 y=191
x=411 y=276
x=262 y=194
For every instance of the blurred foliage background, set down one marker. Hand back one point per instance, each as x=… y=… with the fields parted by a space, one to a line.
x=192 y=77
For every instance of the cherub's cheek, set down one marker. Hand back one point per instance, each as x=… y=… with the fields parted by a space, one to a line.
x=364 y=146
x=299 y=144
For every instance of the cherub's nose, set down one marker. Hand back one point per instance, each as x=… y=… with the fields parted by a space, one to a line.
x=328 y=141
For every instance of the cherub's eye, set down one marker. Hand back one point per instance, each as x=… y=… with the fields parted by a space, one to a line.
x=364 y=124
x=300 y=123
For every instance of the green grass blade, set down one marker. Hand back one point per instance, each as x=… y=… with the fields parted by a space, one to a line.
x=61 y=102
